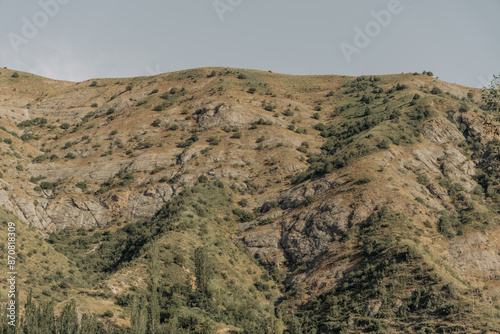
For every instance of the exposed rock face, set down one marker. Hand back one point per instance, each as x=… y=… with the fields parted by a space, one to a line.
x=474 y=258
x=233 y=115
x=441 y=131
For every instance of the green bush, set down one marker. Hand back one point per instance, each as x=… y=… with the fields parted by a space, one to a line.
x=236 y=135
x=435 y=90
x=65 y=126
x=243 y=215
x=423 y=179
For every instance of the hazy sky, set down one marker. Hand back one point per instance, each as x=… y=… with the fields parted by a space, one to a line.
x=76 y=40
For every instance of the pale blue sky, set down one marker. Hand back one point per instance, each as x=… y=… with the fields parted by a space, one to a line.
x=456 y=39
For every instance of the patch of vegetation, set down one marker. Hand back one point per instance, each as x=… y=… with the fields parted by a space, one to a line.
x=357 y=133
x=391 y=289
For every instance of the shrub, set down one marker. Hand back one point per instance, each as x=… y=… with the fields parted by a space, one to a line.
x=243 y=215
x=7 y=141
x=47 y=185
x=423 y=179
x=242 y=76
x=154 y=91
x=20 y=168
x=94 y=105
x=384 y=144
x=108 y=314
x=260 y=139
x=39 y=159
x=288 y=112
x=160 y=107
x=15 y=75
x=70 y=156
x=268 y=107
x=236 y=135
x=435 y=90
x=316 y=116
x=27 y=137
x=302 y=149
x=310 y=199
x=213 y=140
x=251 y=90
x=156 y=123
x=82 y=185
x=65 y=126
x=93 y=84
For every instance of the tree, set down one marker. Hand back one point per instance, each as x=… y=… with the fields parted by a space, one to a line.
x=154 y=302
x=139 y=316
x=296 y=326
x=90 y=325
x=203 y=270
x=491 y=95
x=67 y=323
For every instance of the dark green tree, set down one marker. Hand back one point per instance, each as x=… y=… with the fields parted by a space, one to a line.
x=154 y=301
x=67 y=323
x=491 y=95
x=203 y=270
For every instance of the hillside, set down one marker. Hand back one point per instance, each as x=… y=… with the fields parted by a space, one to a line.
x=241 y=201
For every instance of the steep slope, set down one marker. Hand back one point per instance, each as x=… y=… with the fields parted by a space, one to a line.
x=371 y=201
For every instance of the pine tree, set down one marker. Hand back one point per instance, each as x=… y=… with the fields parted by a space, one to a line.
x=203 y=270
x=90 y=325
x=296 y=326
x=139 y=316
x=172 y=327
x=31 y=317
x=277 y=325
x=67 y=323
x=154 y=302
x=47 y=321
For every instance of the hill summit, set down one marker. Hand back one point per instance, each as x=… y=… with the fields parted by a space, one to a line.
x=222 y=200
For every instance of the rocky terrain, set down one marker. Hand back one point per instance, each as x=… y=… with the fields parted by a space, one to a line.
x=307 y=162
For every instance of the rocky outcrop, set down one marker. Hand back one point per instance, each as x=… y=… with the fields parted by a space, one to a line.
x=441 y=131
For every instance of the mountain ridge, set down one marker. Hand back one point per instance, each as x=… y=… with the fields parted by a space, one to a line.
x=310 y=162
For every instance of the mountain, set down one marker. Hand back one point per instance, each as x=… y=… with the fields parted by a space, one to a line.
x=221 y=200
